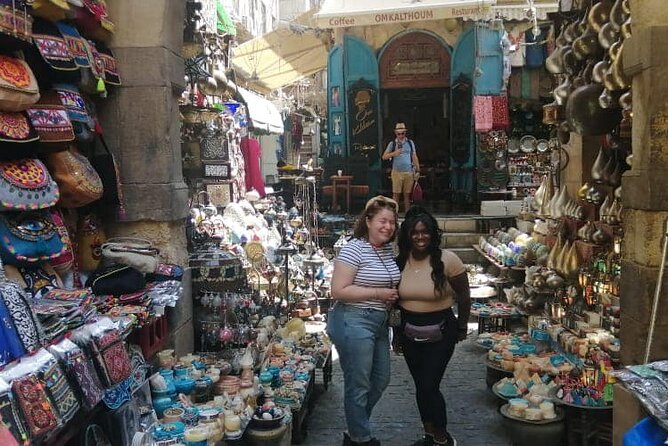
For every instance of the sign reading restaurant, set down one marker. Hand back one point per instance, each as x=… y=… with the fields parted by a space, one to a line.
x=344 y=19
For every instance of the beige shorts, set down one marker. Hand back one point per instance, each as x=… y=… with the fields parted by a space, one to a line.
x=402 y=182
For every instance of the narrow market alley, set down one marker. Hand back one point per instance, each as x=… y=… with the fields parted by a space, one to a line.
x=473 y=418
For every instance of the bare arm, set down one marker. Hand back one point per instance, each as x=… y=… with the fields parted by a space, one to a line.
x=460 y=285
x=416 y=162
x=344 y=290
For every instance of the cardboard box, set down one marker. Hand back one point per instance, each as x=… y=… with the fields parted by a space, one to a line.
x=513 y=207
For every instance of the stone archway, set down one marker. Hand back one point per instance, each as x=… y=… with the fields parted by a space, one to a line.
x=415 y=59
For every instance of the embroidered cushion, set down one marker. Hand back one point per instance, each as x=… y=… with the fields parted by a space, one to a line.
x=26 y=184
x=18 y=85
x=18 y=136
x=52 y=124
x=15 y=25
x=50 y=57
x=28 y=237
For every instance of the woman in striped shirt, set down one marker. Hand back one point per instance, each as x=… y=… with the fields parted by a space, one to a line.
x=364 y=285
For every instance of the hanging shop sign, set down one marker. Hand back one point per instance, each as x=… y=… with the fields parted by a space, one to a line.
x=363 y=124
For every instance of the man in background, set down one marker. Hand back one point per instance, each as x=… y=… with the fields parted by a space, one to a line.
x=405 y=164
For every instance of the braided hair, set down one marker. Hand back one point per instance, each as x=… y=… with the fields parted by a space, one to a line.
x=415 y=215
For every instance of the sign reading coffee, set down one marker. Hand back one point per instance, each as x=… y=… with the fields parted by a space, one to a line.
x=363 y=106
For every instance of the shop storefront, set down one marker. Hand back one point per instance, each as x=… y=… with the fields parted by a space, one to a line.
x=422 y=65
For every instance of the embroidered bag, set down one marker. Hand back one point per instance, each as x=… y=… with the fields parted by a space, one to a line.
x=11 y=347
x=75 y=43
x=83 y=371
x=53 y=10
x=15 y=25
x=18 y=85
x=93 y=22
x=28 y=237
x=53 y=127
x=135 y=252
x=111 y=357
x=36 y=280
x=38 y=412
x=90 y=237
x=77 y=180
x=26 y=184
x=116 y=280
x=50 y=56
x=18 y=137
x=107 y=167
x=63 y=262
x=24 y=320
x=92 y=77
x=12 y=427
x=111 y=75
x=68 y=96
x=59 y=390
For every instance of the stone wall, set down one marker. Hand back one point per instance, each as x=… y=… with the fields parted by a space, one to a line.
x=142 y=127
x=644 y=195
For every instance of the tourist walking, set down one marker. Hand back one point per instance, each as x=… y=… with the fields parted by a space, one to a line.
x=405 y=164
x=364 y=286
x=432 y=280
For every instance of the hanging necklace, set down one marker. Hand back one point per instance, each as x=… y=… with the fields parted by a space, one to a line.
x=412 y=266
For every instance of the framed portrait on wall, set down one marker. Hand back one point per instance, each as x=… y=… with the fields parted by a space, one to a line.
x=337 y=125
x=336 y=97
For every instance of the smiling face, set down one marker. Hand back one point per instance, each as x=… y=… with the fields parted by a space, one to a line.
x=420 y=238
x=381 y=226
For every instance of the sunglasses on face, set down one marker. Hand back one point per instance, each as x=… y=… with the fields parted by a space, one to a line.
x=401 y=133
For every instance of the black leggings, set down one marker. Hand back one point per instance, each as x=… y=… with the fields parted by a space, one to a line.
x=427 y=362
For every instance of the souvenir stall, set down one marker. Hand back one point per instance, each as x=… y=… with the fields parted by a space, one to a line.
x=557 y=371
x=81 y=312
x=259 y=280
x=515 y=149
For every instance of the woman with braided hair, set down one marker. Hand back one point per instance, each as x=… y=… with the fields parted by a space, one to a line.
x=432 y=279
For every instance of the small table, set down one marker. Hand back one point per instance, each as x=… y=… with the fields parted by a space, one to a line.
x=343 y=182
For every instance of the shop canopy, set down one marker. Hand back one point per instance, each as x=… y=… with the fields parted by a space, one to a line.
x=263 y=114
x=343 y=13
x=283 y=56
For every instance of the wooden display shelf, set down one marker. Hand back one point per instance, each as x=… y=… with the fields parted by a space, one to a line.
x=497 y=264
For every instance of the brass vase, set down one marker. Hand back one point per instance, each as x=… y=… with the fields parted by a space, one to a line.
x=554 y=253
x=571 y=264
x=563 y=256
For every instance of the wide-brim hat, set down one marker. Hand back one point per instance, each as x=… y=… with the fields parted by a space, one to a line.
x=400 y=126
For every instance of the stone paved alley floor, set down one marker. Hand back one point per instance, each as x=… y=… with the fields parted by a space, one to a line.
x=472 y=409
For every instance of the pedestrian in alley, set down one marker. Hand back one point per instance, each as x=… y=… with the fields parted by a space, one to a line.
x=364 y=286
x=405 y=164
x=432 y=279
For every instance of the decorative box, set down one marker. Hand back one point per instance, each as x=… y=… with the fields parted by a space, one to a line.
x=221 y=193
x=217 y=170
x=214 y=148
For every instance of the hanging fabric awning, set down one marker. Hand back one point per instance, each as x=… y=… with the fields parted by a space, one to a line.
x=263 y=114
x=517 y=10
x=343 y=13
x=283 y=56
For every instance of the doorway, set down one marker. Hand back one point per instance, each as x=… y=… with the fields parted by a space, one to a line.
x=424 y=111
x=414 y=70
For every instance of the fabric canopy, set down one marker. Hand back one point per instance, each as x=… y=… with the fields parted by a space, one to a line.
x=282 y=56
x=263 y=114
x=343 y=13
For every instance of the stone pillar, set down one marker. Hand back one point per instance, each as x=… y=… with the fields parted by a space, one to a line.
x=644 y=186
x=142 y=127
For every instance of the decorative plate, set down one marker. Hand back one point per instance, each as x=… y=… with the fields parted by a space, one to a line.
x=513 y=145
x=542 y=145
x=528 y=144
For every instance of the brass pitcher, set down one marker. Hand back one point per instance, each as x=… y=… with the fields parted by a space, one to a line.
x=554 y=253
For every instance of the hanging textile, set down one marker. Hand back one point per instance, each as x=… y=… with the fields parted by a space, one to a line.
x=253 y=159
x=517 y=54
x=482 y=113
x=500 y=115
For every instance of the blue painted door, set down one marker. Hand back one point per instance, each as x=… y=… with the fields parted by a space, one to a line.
x=336 y=95
x=361 y=64
x=477 y=69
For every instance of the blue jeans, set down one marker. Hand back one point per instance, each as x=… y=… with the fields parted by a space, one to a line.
x=361 y=339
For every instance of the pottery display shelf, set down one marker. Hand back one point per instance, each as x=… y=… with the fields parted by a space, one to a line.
x=496 y=263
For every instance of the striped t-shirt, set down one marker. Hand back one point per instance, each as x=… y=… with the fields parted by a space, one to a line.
x=376 y=268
